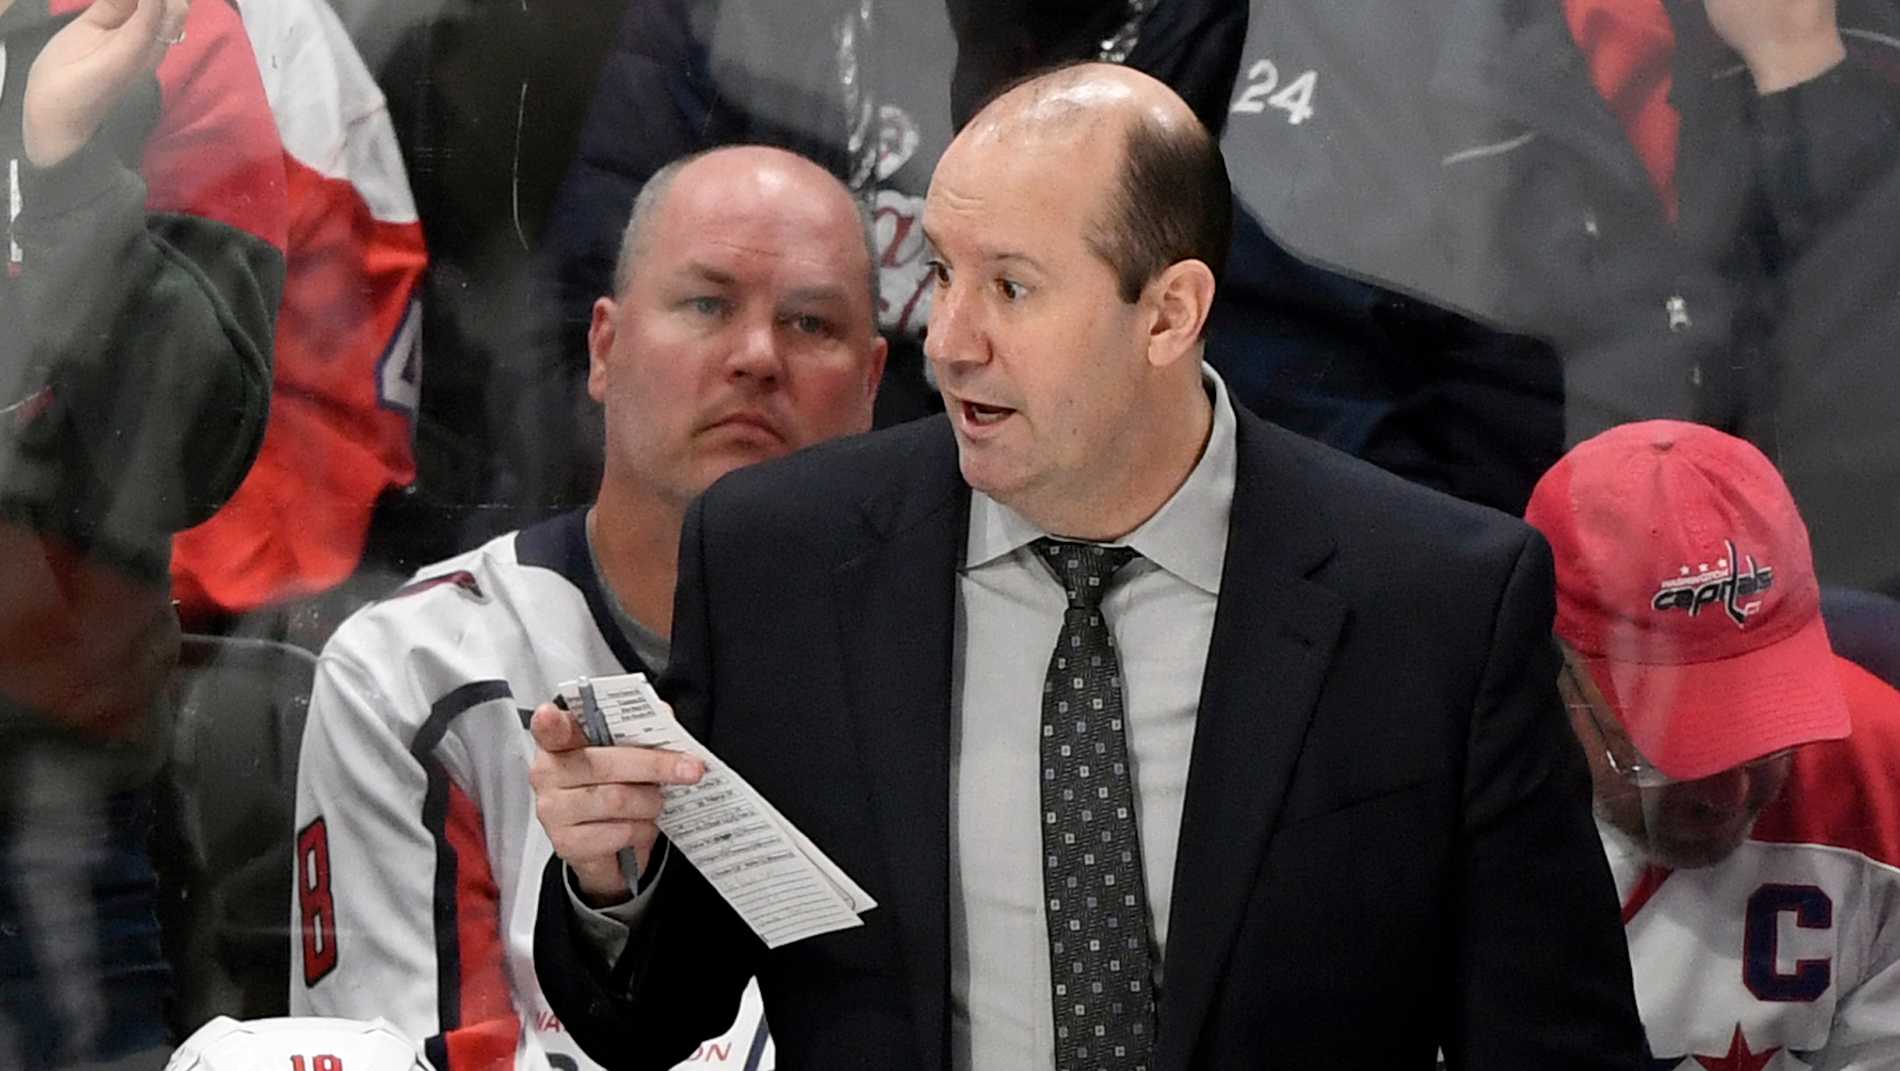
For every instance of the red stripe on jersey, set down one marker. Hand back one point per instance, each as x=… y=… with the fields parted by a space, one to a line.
x=1646 y=886
x=215 y=152
x=298 y=523
x=1845 y=793
x=488 y=1046
x=486 y=1040
x=461 y=578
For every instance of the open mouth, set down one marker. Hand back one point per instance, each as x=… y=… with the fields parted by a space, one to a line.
x=983 y=416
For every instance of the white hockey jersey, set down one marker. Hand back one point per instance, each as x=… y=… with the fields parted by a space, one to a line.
x=1786 y=954
x=419 y=857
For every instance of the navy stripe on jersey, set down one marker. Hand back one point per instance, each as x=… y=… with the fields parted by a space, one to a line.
x=560 y=544
x=756 y=1055
x=435 y=811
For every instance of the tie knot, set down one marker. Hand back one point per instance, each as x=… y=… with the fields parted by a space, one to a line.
x=1085 y=569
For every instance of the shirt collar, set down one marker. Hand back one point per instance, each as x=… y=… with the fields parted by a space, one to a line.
x=1187 y=536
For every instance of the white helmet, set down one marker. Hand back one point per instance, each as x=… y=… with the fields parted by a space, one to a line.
x=298 y=1044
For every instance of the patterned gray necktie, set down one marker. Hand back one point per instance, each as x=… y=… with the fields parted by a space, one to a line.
x=1100 y=963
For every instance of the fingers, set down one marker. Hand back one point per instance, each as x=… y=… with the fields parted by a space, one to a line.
x=146 y=28
x=563 y=758
x=594 y=801
x=139 y=31
x=555 y=730
x=594 y=846
x=142 y=21
x=613 y=804
x=588 y=827
x=109 y=14
x=588 y=824
x=581 y=767
x=171 y=20
x=575 y=784
x=592 y=852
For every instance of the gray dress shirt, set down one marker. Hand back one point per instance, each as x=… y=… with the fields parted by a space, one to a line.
x=1009 y=609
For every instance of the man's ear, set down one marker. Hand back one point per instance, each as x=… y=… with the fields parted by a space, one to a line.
x=1180 y=298
x=874 y=375
x=600 y=342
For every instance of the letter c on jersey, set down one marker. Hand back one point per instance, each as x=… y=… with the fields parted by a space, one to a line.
x=1812 y=910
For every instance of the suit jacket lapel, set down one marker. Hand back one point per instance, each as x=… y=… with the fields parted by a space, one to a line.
x=897 y=606
x=1274 y=633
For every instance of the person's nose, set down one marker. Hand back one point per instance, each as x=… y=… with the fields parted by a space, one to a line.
x=757 y=351
x=955 y=334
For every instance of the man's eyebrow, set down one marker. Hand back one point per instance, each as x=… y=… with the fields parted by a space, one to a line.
x=1004 y=255
x=994 y=256
x=707 y=272
x=820 y=294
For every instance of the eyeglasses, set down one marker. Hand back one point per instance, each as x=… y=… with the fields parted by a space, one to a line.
x=1631 y=766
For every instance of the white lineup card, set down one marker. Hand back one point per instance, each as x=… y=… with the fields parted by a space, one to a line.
x=772 y=874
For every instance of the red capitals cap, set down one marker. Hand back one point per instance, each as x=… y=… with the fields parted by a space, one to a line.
x=1685 y=581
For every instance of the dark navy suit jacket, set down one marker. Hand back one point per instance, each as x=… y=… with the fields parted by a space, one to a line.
x=1386 y=845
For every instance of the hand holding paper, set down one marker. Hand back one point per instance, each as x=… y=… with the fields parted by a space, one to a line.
x=770 y=872
x=594 y=801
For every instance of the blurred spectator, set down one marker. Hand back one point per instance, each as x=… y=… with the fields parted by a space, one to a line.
x=1689 y=201
x=348 y=353
x=1755 y=842
x=1192 y=47
x=144 y=267
x=741 y=327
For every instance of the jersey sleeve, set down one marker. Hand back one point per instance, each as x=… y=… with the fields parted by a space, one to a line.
x=396 y=912
x=1825 y=146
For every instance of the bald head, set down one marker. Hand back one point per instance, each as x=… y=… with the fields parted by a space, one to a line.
x=1169 y=198
x=746 y=174
x=1077 y=99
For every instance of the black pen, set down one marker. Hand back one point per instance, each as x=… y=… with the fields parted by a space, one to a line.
x=594 y=725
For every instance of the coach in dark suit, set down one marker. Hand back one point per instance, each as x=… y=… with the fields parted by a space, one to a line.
x=1163 y=737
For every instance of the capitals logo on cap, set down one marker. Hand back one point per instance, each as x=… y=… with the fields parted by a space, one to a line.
x=1685 y=583
x=1736 y=591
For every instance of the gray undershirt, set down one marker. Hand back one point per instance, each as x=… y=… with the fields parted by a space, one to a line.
x=652 y=647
